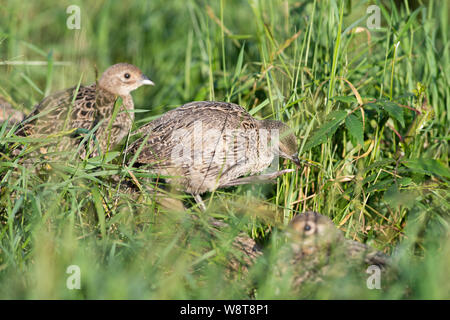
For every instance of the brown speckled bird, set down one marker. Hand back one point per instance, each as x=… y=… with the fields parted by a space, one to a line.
x=311 y=233
x=207 y=145
x=84 y=108
x=315 y=250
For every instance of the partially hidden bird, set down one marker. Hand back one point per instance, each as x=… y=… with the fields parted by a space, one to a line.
x=312 y=250
x=311 y=233
x=317 y=251
x=205 y=145
x=83 y=108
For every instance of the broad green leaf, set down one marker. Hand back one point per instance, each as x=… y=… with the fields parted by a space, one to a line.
x=395 y=111
x=337 y=114
x=355 y=128
x=379 y=163
x=373 y=105
x=381 y=185
x=428 y=166
x=346 y=99
x=326 y=130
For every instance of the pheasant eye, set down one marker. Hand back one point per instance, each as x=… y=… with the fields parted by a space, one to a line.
x=307 y=227
x=126 y=75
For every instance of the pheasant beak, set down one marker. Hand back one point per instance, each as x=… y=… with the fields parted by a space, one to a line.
x=147 y=81
x=296 y=160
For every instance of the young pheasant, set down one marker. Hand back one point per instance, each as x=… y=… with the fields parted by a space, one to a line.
x=318 y=252
x=80 y=110
x=311 y=233
x=208 y=145
x=315 y=250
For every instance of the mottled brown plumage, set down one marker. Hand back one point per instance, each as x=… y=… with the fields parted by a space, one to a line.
x=315 y=251
x=206 y=145
x=245 y=255
x=312 y=233
x=88 y=106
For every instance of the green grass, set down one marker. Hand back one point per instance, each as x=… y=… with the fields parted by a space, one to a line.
x=371 y=117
